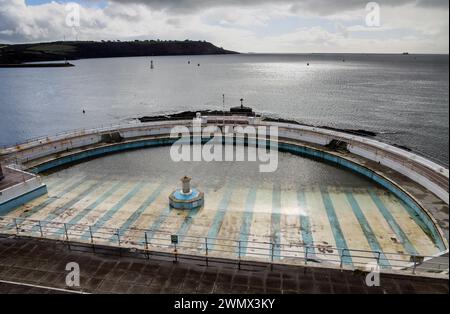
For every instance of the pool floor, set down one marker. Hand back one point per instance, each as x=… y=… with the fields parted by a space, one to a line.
x=364 y=218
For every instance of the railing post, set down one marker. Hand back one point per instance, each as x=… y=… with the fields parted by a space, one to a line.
x=342 y=258
x=378 y=259
x=146 y=245
x=272 y=250
x=239 y=255
x=17 y=226
x=306 y=255
x=40 y=229
x=92 y=239
x=118 y=241
x=206 y=251
x=175 y=252
x=67 y=237
x=415 y=264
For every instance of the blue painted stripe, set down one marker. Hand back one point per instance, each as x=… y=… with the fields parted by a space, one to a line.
x=309 y=152
x=338 y=235
x=434 y=234
x=276 y=221
x=110 y=213
x=156 y=225
x=55 y=187
x=55 y=182
x=367 y=230
x=187 y=222
x=92 y=206
x=60 y=210
x=410 y=249
x=305 y=224
x=218 y=217
x=419 y=221
x=47 y=202
x=246 y=223
x=135 y=216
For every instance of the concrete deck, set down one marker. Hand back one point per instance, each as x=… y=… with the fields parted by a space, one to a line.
x=43 y=262
x=13 y=177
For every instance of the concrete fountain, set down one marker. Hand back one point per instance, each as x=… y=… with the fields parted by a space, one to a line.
x=186 y=198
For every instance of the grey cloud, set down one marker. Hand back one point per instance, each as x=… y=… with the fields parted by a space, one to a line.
x=314 y=6
x=174 y=22
x=433 y=3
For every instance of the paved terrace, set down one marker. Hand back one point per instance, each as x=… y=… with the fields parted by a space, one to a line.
x=13 y=177
x=38 y=266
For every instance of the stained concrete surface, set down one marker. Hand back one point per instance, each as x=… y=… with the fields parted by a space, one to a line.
x=43 y=263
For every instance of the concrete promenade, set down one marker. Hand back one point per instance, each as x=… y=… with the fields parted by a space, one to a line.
x=38 y=266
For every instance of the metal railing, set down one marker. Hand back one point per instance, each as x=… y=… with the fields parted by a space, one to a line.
x=160 y=241
x=107 y=127
x=71 y=133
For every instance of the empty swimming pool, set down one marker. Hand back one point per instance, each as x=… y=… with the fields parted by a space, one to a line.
x=247 y=214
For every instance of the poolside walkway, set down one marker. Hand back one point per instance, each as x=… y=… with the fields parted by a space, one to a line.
x=42 y=263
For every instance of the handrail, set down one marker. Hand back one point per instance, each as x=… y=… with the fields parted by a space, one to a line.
x=423 y=158
x=73 y=132
x=84 y=131
x=292 y=253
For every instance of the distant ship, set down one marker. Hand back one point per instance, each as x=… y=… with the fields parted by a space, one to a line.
x=406 y=53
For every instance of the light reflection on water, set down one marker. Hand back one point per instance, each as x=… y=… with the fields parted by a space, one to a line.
x=403 y=98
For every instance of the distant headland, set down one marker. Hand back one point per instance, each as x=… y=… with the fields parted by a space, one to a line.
x=72 y=50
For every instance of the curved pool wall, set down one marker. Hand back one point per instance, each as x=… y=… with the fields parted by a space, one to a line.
x=428 y=174
x=290 y=148
x=79 y=146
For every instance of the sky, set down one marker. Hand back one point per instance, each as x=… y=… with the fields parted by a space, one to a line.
x=272 y=26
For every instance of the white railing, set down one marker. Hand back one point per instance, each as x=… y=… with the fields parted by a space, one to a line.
x=417 y=156
x=68 y=134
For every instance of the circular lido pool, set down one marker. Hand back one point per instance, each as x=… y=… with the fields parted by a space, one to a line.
x=306 y=209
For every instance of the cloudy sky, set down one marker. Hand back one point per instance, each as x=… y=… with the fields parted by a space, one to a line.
x=419 y=26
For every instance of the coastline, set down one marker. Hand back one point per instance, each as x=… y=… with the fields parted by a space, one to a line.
x=75 y=50
x=37 y=65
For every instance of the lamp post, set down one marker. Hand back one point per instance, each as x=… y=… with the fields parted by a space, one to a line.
x=223 y=108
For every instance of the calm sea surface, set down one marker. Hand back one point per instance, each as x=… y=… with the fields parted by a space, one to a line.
x=405 y=99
